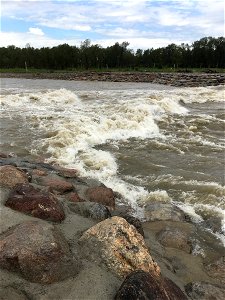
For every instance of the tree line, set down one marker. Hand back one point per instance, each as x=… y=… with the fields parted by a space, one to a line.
x=207 y=52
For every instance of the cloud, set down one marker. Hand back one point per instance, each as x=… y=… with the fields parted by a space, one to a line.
x=133 y=20
x=36 y=31
x=21 y=39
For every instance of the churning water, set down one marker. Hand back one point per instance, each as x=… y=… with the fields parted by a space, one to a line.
x=147 y=142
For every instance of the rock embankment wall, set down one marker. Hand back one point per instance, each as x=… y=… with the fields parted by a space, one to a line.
x=173 y=79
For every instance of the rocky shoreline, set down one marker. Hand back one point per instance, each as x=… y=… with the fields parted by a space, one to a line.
x=172 y=79
x=66 y=237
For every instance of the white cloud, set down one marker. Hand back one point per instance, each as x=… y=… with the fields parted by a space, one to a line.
x=36 y=31
x=138 y=21
x=21 y=39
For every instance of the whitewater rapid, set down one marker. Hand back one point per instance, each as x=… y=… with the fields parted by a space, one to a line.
x=102 y=132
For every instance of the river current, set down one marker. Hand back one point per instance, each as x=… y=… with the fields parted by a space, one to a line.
x=147 y=142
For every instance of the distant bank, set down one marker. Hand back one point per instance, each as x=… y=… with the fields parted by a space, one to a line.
x=173 y=79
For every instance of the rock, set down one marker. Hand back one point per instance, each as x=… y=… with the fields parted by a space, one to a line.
x=205 y=291
x=65 y=172
x=174 y=238
x=118 y=244
x=135 y=222
x=9 y=293
x=59 y=185
x=101 y=195
x=157 y=211
x=146 y=286
x=74 y=197
x=213 y=223
x=37 y=251
x=10 y=176
x=3 y=155
x=38 y=172
x=25 y=198
x=217 y=270
x=92 y=210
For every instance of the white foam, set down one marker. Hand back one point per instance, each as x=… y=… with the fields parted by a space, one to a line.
x=73 y=128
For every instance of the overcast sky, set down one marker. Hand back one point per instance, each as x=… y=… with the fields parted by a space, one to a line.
x=143 y=23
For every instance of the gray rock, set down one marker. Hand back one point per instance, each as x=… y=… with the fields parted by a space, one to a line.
x=157 y=211
x=174 y=238
x=92 y=210
x=205 y=291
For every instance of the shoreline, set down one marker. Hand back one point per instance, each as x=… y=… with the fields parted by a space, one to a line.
x=172 y=79
x=187 y=254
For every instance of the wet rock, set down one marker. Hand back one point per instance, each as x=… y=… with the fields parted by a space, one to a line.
x=92 y=210
x=10 y=293
x=217 y=270
x=214 y=223
x=38 y=172
x=101 y=195
x=133 y=221
x=37 y=251
x=205 y=291
x=3 y=155
x=157 y=211
x=25 y=198
x=144 y=286
x=174 y=238
x=74 y=197
x=65 y=172
x=10 y=176
x=59 y=185
x=118 y=244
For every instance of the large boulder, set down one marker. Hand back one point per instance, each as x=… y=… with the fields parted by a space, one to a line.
x=37 y=251
x=92 y=210
x=133 y=221
x=118 y=244
x=205 y=291
x=158 y=211
x=25 y=198
x=144 y=286
x=10 y=176
x=101 y=195
x=174 y=238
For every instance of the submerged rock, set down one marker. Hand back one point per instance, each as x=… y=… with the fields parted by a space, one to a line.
x=174 y=238
x=145 y=286
x=25 y=198
x=157 y=211
x=205 y=291
x=92 y=210
x=101 y=195
x=217 y=270
x=38 y=252
x=10 y=176
x=118 y=244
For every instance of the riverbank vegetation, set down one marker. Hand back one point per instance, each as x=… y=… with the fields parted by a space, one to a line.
x=204 y=54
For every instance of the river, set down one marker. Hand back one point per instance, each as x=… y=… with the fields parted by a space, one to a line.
x=145 y=141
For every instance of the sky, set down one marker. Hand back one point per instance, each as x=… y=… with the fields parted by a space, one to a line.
x=143 y=23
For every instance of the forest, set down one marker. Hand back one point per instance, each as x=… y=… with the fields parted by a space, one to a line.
x=207 y=52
